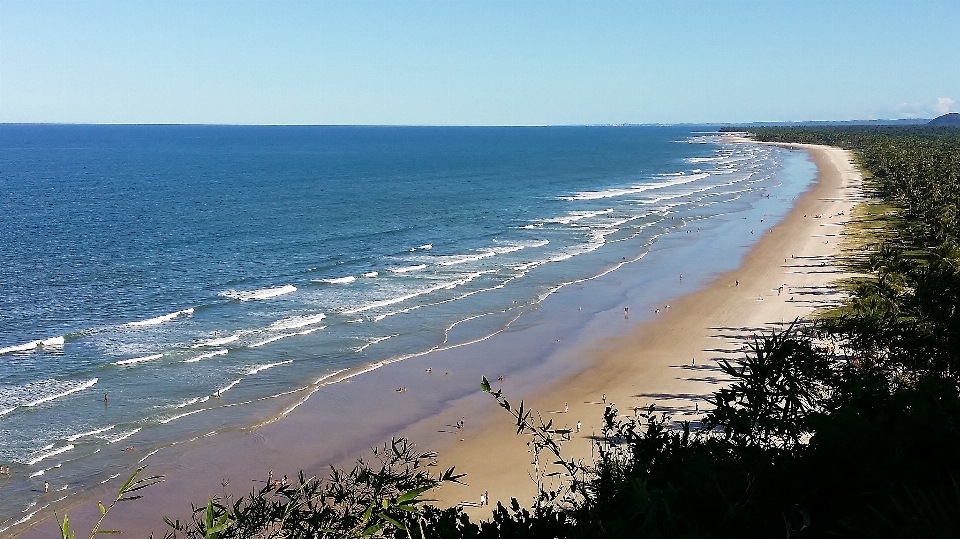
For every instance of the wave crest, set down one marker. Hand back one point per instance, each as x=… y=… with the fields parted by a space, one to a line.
x=159 y=319
x=262 y=293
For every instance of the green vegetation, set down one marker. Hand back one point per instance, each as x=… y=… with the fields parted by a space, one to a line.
x=124 y=494
x=845 y=426
x=367 y=500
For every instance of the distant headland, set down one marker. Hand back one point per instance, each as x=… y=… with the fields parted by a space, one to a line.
x=951 y=118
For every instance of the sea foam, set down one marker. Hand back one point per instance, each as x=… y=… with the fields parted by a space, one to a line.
x=75 y=437
x=296 y=322
x=336 y=280
x=76 y=388
x=52 y=342
x=259 y=368
x=137 y=360
x=217 y=342
x=406 y=269
x=121 y=436
x=208 y=355
x=263 y=293
x=405 y=297
x=48 y=454
x=635 y=189
x=284 y=336
x=160 y=319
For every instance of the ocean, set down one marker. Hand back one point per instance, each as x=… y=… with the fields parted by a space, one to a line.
x=160 y=283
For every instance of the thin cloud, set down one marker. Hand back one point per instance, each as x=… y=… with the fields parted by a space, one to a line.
x=944 y=105
x=929 y=109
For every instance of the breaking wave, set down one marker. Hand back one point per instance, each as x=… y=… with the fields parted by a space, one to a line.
x=263 y=293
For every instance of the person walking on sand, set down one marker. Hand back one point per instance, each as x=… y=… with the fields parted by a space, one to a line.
x=483 y=499
x=46 y=486
x=566 y=407
x=578 y=426
x=604 y=398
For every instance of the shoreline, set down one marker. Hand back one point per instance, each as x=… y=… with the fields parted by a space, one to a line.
x=671 y=361
x=282 y=445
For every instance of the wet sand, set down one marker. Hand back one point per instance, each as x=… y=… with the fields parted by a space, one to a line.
x=588 y=349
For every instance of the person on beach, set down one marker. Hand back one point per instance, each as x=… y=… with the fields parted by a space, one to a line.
x=270 y=478
x=46 y=486
x=566 y=407
x=486 y=496
x=578 y=426
x=693 y=362
x=483 y=499
x=604 y=398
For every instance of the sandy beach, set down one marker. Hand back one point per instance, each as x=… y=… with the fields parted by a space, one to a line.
x=640 y=357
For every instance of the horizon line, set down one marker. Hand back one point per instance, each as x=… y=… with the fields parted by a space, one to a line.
x=624 y=124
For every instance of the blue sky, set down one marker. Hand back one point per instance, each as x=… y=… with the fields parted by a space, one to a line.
x=449 y=62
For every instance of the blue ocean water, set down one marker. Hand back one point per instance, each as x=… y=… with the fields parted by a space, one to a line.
x=198 y=276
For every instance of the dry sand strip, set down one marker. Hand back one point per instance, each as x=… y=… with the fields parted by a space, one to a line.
x=672 y=360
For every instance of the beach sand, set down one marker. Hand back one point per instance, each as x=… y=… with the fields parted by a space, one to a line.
x=633 y=361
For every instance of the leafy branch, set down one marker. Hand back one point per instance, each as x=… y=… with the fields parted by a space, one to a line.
x=133 y=484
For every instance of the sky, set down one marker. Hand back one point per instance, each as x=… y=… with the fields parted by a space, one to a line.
x=465 y=62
